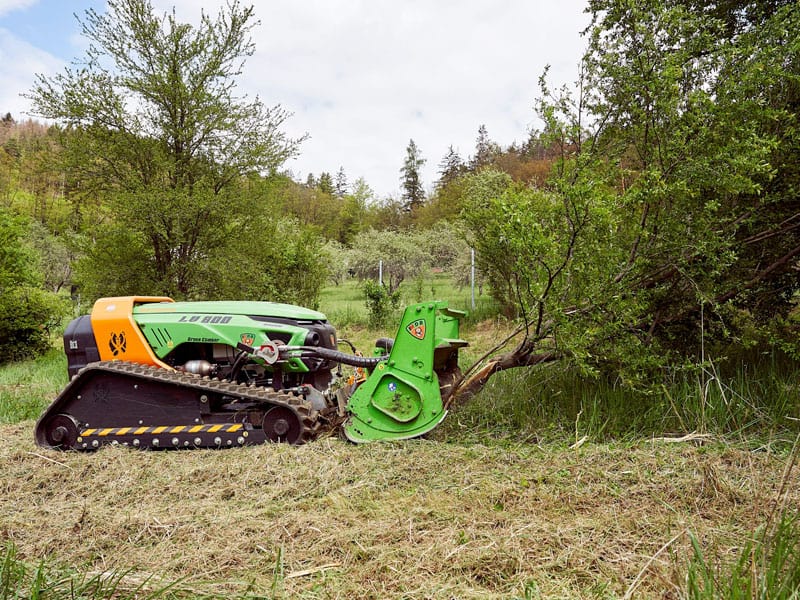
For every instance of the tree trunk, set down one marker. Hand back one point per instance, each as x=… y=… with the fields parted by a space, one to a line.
x=467 y=387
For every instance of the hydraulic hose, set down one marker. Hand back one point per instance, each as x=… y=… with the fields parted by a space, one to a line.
x=364 y=362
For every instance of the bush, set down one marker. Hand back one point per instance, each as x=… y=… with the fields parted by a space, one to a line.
x=27 y=312
x=380 y=302
x=27 y=317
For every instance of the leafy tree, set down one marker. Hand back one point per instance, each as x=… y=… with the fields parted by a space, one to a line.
x=443 y=243
x=28 y=315
x=668 y=227
x=56 y=256
x=530 y=163
x=387 y=213
x=154 y=124
x=310 y=206
x=288 y=266
x=325 y=184
x=445 y=204
x=41 y=177
x=337 y=261
x=413 y=194
x=352 y=215
x=381 y=303
x=707 y=146
x=18 y=261
x=350 y=221
x=116 y=261
x=401 y=255
x=9 y=174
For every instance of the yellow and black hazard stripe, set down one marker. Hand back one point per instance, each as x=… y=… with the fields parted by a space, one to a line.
x=162 y=429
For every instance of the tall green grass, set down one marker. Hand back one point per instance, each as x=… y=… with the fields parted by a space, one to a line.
x=767 y=563
x=766 y=566
x=41 y=581
x=28 y=387
x=754 y=397
x=755 y=392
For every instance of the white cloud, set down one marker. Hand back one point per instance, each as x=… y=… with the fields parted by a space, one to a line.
x=6 y=6
x=19 y=62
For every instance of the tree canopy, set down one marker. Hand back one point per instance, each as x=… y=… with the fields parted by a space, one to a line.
x=154 y=125
x=669 y=226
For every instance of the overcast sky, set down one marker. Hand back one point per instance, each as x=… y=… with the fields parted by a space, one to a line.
x=361 y=77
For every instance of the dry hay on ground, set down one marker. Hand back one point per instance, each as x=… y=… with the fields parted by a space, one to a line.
x=417 y=519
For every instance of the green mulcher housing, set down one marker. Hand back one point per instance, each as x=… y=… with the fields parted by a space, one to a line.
x=152 y=373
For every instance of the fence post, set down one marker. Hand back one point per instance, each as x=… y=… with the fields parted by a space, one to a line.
x=472 y=275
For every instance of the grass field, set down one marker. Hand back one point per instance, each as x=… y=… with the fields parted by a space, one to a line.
x=548 y=485
x=344 y=304
x=417 y=519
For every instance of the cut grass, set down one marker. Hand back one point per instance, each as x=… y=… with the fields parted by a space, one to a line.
x=417 y=519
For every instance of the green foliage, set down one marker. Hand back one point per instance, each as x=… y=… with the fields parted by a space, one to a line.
x=701 y=155
x=667 y=225
x=338 y=218
x=56 y=256
x=28 y=316
x=548 y=259
x=266 y=258
x=381 y=304
x=413 y=192
x=27 y=313
x=117 y=261
x=400 y=253
x=485 y=150
x=444 y=243
x=18 y=261
x=337 y=261
x=325 y=184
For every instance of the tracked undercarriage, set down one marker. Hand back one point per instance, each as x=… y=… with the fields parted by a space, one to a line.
x=148 y=407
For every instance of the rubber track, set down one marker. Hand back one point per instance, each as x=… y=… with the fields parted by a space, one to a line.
x=314 y=423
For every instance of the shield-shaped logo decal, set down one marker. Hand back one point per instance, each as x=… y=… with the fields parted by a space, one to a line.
x=417 y=329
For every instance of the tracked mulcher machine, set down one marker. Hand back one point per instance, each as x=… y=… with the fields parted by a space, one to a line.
x=148 y=372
